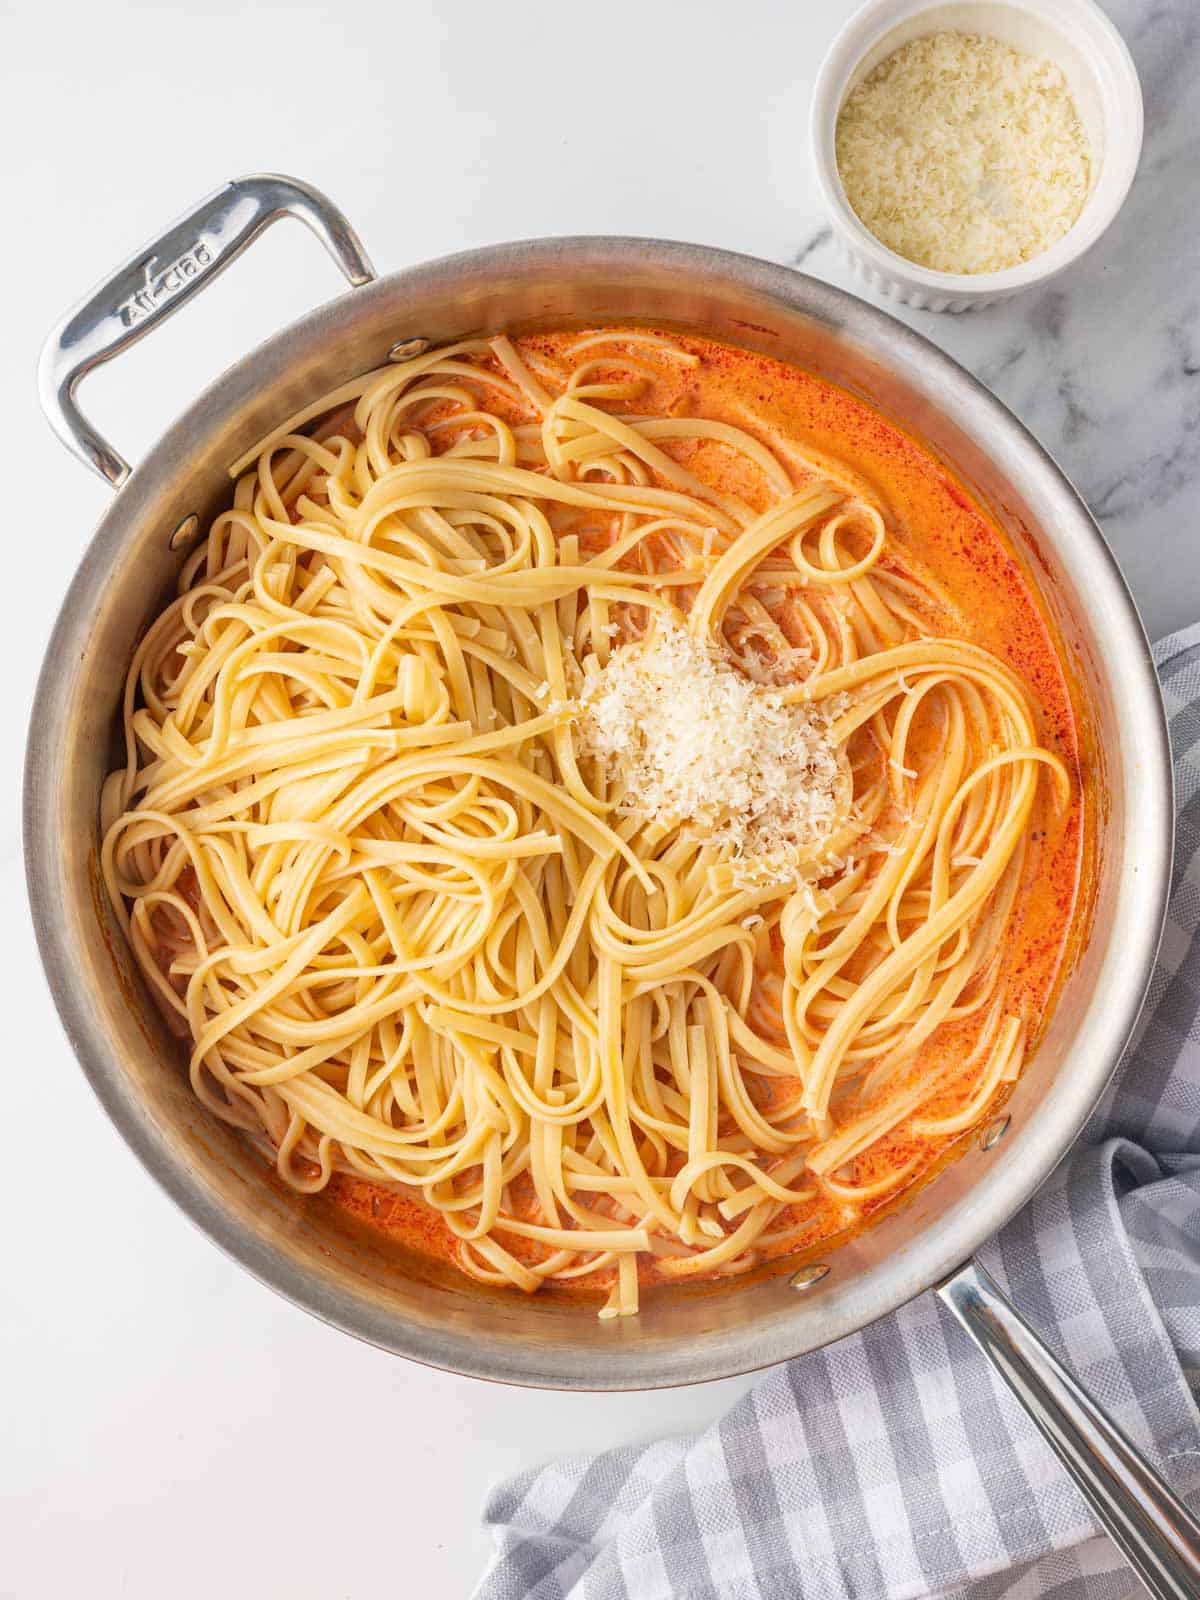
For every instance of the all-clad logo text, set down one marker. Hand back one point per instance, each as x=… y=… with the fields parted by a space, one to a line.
x=158 y=287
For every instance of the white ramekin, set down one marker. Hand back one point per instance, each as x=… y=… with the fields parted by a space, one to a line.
x=1102 y=77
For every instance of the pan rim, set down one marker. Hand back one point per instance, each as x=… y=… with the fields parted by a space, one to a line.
x=935 y=1252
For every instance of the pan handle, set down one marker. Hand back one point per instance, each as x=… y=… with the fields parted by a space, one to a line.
x=159 y=278
x=1154 y=1530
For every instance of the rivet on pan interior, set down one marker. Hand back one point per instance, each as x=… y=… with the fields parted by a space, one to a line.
x=406 y=349
x=184 y=532
x=806 y=1277
x=994 y=1132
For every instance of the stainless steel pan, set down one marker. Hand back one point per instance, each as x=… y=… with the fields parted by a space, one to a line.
x=301 y=1246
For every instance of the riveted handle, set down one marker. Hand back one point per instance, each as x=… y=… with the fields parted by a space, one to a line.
x=159 y=278
x=1154 y=1530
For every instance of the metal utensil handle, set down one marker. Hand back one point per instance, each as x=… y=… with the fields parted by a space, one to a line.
x=1155 y=1531
x=160 y=278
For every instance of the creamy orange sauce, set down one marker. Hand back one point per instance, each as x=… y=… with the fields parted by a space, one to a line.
x=936 y=530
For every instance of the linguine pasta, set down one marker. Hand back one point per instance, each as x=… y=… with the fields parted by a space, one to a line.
x=419 y=928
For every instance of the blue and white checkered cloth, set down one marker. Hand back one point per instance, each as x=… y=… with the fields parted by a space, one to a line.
x=893 y=1464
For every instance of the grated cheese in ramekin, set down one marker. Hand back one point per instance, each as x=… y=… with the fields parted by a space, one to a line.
x=962 y=154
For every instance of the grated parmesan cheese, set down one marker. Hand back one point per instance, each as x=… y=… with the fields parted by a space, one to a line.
x=963 y=154
x=689 y=739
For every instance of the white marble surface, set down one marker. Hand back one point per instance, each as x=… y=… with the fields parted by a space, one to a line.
x=168 y=1426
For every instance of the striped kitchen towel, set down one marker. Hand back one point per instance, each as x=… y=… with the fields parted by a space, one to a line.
x=893 y=1464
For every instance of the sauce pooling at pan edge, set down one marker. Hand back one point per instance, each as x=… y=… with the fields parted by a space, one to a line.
x=604 y=805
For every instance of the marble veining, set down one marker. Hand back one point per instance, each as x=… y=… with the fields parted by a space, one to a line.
x=817 y=240
x=1103 y=363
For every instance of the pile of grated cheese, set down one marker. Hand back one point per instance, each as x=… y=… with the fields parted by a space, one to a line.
x=690 y=739
x=963 y=154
